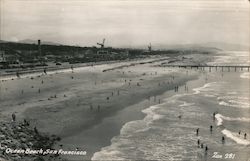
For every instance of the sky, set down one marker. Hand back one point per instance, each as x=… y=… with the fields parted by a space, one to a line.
x=126 y=23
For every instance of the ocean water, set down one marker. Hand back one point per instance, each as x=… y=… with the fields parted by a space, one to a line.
x=168 y=131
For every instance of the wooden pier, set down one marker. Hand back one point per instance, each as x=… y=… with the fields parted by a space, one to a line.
x=210 y=67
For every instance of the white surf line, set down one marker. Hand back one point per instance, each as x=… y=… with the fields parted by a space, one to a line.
x=245 y=75
x=220 y=119
x=199 y=89
x=232 y=136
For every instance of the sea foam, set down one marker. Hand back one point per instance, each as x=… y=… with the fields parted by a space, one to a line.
x=235 y=138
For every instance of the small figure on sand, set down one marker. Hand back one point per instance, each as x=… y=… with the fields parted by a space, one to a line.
x=107 y=98
x=45 y=72
x=245 y=136
x=206 y=149
x=239 y=132
x=17 y=74
x=42 y=82
x=197 y=131
x=198 y=143
x=35 y=130
x=179 y=116
x=39 y=91
x=211 y=128
x=13 y=117
x=223 y=139
x=25 y=122
x=214 y=116
x=176 y=88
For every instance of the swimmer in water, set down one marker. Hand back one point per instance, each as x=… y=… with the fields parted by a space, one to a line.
x=211 y=128
x=206 y=149
x=223 y=139
x=214 y=116
x=197 y=131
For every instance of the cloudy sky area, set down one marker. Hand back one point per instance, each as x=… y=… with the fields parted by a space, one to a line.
x=126 y=22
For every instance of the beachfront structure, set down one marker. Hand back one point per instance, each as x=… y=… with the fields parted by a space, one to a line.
x=149 y=48
x=102 y=51
x=101 y=44
x=2 y=56
x=39 y=48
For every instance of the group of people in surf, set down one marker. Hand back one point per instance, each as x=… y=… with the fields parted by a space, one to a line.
x=201 y=145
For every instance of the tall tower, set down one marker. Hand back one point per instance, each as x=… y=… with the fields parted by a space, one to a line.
x=39 y=48
x=149 y=48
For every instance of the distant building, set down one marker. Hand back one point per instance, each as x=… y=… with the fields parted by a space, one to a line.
x=2 y=56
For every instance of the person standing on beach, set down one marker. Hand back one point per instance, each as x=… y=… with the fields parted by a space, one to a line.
x=214 y=116
x=197 y=131
x=35 y=130
x=45 y=71
x=223 y=139
x=211 y=128
x=239 y=132
x=245 y=136
x=198 y=143
x=13 y=117
x=206 y=149
x=17 y=74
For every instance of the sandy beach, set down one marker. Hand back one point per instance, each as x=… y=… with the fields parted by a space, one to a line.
x=90 y=108
x=72 y=104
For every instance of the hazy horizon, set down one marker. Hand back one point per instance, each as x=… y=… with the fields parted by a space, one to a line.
x=126 y=23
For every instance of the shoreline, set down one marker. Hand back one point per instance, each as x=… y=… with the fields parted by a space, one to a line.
x=142 y=107
x=135 y=106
